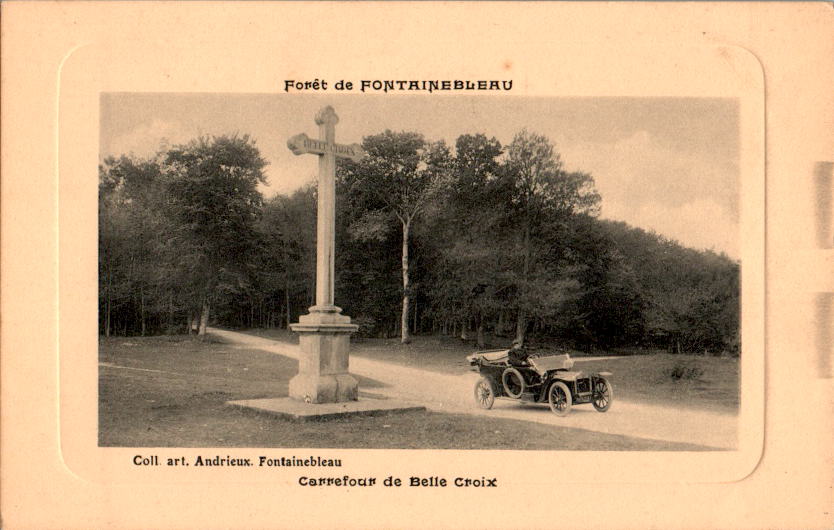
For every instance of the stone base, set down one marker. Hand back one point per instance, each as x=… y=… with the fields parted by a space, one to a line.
x=324 y=318
x=294 y=410
x=335 y=388
x=323 y=368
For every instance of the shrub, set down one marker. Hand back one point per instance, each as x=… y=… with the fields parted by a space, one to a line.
x=367 y=325
x=685 y=371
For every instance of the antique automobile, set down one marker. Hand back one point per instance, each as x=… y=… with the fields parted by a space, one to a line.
x=539 y=378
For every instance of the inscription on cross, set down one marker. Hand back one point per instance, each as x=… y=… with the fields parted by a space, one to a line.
x=323 y=375
x=301 y=144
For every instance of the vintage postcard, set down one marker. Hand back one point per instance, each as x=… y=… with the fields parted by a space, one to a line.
x=366 y=265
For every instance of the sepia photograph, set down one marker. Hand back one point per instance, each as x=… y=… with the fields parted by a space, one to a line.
x=471 y=271
x=397 y=265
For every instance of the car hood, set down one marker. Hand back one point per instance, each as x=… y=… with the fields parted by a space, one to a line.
x=547 y=363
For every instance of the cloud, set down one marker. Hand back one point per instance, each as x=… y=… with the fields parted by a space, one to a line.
x=643 y=170
x=676 y=193
x=700 y=224
x=285 y=172
x=146 y=139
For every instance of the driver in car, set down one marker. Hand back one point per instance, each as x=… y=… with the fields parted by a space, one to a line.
x=518 y=354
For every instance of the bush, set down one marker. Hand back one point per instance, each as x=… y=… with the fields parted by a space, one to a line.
x=367 y=325
x=685 y=371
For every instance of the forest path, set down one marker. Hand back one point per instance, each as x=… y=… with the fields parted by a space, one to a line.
x=453 y=393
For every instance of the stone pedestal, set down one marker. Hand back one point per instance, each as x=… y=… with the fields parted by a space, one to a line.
x=323 y=376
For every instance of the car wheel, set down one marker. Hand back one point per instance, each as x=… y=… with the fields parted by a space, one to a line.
x=513 y=382
x=558 y=395
x=603 y=394
x=485 y=393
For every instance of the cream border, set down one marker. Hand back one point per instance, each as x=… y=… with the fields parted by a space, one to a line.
x=160 y=57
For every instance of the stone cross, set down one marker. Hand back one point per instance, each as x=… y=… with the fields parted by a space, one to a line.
x=327 y=150
x=323 y=375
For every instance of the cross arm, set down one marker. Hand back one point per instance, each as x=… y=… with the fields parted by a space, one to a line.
x=301 y=144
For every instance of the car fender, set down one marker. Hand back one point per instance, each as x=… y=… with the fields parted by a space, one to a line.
x=561 y=375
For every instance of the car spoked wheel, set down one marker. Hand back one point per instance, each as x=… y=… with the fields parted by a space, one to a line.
x=558 y=396
x=603 y=394
x=484 y=393
x=513 y=383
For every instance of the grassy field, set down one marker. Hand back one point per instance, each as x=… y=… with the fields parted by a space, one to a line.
x=171 y=392
x=707 y=382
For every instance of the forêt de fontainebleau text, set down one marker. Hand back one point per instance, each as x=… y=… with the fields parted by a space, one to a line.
x=398 y=85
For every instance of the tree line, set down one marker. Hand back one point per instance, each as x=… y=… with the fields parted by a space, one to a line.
x=479 y=240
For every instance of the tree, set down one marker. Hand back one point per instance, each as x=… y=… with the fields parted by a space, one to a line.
x=129 y=222
x=369 y=262
x=471 y=277
x=288 y=227
x=213 y=200
x=401 y=172
x=513 y=239
x=690 y=298
x=542 y=199
x=610 y=308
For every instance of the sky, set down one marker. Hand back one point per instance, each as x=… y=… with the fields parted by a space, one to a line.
x=669 y=165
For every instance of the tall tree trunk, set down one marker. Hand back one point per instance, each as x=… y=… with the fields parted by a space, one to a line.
x=170 y=312
x=521 y=321
x=142 y=307
x=520 y=326
x=109 y=301
x=480 y=334
x=131 y=316
x=287 y=301
x=414 y=319
x=405 y=339
x=204 y=316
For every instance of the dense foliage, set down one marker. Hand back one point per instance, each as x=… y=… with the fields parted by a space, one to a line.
x=480 y=241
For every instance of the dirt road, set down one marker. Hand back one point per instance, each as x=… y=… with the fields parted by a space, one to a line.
x=454 y=393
